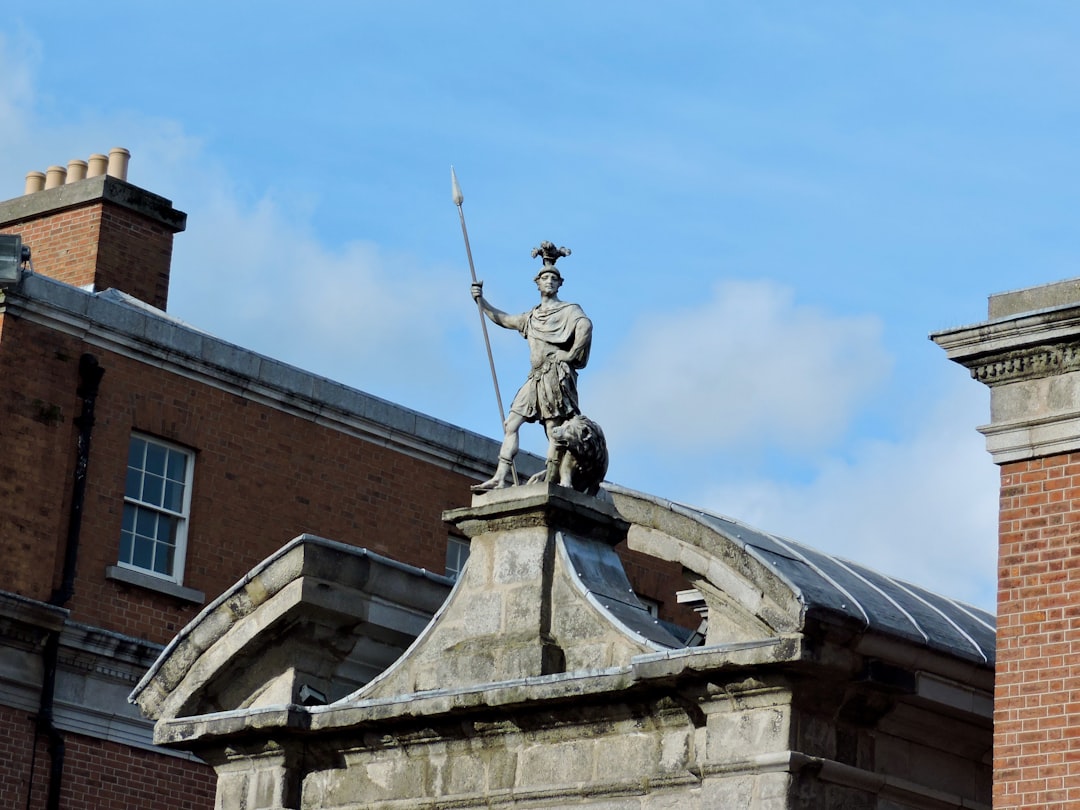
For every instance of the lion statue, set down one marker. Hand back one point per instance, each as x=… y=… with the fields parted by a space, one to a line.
x=580 y=458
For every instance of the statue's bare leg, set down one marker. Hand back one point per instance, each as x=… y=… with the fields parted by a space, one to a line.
x=506 y=455
x=554 y=456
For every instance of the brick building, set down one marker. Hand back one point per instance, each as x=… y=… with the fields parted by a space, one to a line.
x=147 y=466
x=1028 y=353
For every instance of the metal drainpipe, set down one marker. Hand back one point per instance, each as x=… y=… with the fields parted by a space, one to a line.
x=90 y=374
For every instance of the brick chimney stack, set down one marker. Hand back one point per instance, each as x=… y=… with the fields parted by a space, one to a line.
x=97 y=232
x=1028 y=353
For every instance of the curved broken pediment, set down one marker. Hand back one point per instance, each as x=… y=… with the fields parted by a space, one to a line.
x=309 y=624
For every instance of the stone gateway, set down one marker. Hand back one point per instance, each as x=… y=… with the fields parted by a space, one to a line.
x=543 y=682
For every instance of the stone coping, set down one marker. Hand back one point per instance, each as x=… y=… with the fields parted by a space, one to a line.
x=1048 y=325
x=1030 y=299
x=32 y=612
x=644 y=672
x=103 y=188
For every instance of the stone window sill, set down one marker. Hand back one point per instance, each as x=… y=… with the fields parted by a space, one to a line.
x=152 y=583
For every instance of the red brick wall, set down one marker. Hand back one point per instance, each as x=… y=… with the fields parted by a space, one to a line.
x=104 y=245
x=98 y=775
x=16 y=738
x=37 y=437
x=101 y=775
x=1037 y=690
x=64 y=244
x=134 y=255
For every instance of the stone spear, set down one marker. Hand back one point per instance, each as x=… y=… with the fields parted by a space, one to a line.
x=459 y=198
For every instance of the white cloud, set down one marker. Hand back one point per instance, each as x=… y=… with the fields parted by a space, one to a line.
x=749 y=366
x=923 y=508
x=254 y=274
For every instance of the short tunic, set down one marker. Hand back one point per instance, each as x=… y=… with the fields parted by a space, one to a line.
x=550 y=391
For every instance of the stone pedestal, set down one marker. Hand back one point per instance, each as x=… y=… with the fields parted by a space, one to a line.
x=542 y=593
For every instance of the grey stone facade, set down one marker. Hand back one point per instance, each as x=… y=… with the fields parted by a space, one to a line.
x=543 y=682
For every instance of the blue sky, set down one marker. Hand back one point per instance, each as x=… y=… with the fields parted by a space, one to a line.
x=770 y=206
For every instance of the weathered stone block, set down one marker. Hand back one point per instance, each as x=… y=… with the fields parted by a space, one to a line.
x=627 y=756
x=370 y=777
x=520 y=557
x=675 y=749
x=733 y=791
x=748 y=731
x=549 y=763
x=485 y=615
x=523 y=609
x=672 y=800
x=462 y=773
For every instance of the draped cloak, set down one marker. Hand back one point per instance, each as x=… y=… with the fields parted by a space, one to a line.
x=550 y=392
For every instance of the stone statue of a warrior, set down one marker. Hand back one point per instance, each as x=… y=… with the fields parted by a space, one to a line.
x=559 y=336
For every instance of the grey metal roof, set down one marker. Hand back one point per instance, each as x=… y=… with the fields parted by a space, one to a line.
x=823 y=582
x=602 y=576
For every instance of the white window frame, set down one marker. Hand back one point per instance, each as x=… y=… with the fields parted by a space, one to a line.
x=650 y=604
x=455 y=547
x=181 y=517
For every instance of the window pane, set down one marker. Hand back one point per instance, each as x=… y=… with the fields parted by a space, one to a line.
x=176 y=465
x=145 y=522
x=457 y=552
x=133 y=484
x=136 y=453
x=174 y=496
x=152 y=489
x=155 y=459
x=166 y=532
x=126 y=542
x=144 y=553
x=163 y=559
x=129 y=518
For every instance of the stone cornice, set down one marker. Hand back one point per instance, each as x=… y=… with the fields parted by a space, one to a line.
x=1028 y=363
x=973 y=345
x=1029 y=358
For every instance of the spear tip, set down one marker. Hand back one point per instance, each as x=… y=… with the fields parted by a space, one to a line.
x=455 y=189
